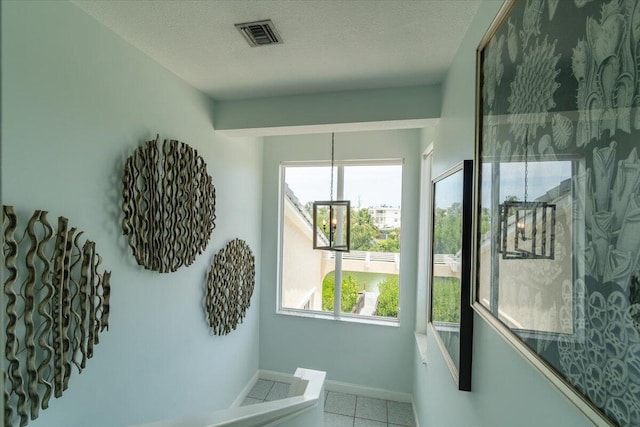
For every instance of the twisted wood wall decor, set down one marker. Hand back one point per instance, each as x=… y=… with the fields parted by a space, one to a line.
x=57 y=302
x=229 y=286
x=168 y=203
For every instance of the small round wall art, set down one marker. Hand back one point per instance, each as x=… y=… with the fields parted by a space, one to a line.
x=229 y=286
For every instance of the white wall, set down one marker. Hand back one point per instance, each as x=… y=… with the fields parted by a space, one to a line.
x=304 y=262
x=76 y=99
x=507 y=391
x=370 y=355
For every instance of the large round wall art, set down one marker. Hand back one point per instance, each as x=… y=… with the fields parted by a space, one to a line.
x=168 y=203
x=57 y=302
x=229 y=286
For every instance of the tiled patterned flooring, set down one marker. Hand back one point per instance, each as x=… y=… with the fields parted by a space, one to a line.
x=266 y=391
x=349 y=410
x=342 y=409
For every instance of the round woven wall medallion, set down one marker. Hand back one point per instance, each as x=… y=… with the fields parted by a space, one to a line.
x=169 y=203
x=229 y=286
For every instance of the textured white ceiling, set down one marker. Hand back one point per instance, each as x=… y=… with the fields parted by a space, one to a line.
x=329 y=45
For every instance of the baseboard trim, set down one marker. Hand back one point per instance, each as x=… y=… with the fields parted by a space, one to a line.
x=376 y=393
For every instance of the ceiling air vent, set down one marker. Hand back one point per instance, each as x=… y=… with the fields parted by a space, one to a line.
x=259 y=33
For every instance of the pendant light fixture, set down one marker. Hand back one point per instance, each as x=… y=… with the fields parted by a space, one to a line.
x=527 y=229
x=332 y=219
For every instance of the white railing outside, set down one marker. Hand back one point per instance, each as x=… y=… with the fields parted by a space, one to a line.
x=391 y=257
x=368 y=256
x=445 y=259
x=453 y=261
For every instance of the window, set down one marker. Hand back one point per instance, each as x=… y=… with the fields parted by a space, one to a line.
x=365 y=280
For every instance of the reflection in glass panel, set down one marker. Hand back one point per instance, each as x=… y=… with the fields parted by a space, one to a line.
x=447 y=247
x=530 y=297
x=567 y=111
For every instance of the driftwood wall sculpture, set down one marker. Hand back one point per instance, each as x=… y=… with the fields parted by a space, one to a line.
x=229 y=286
x=168 y=205
x=56 y=304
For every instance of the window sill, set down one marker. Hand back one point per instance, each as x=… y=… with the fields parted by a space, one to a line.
x=421 y=344
x=379 y=321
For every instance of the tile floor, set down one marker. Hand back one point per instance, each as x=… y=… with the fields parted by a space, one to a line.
x=342 y=409
x=266 y=391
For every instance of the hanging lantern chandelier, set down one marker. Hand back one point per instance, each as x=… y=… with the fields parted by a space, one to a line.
x=332 y=219
x=527 y=229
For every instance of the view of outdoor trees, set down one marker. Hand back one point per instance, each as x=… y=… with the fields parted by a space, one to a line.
x=447 y=240
x=365 y=235
x=446 y=235
x=446 y=299
x=369 y=271
x=446 y=265
x=348 y=296
x=352 y=284
x=388 y=299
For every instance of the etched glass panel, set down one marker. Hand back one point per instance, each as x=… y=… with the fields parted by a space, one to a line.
x=559 y=124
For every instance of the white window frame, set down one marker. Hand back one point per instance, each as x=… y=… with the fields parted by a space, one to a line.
x=423 y=285
x=337 y=314
x=424 y=243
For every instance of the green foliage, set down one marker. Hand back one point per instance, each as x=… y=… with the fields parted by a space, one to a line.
x=447 y=236
x=485 y=221
x=365 y=236
x=387 y=304
x=361 y=217
x=391 y=243
x=363 y=231
x=348 y=296
x=445 y=300
x=447 y=230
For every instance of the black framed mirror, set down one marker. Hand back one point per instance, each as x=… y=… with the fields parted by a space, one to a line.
x=450 y=313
